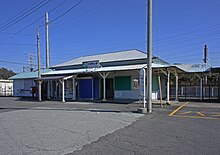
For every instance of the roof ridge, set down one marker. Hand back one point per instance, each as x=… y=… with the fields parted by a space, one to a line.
x=116 y=55
x=113 y=52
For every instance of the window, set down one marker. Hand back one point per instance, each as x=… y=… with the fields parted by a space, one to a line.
x=123 y=83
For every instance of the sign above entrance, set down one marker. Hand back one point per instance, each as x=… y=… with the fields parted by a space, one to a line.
x=91 y=64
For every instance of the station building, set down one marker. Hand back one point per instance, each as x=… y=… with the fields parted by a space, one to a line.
x=104 y=76
x=116 y=75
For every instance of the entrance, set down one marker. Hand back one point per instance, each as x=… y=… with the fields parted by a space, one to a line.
x=109 y=92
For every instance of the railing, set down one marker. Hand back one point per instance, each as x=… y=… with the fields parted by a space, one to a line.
x=208 y=91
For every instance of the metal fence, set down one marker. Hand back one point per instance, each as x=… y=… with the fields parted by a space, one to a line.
x=208 y=92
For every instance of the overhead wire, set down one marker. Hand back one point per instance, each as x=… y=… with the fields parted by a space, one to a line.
x=40 y=18
x=36 y=21
x=18 y=44
x=187 y=56
x=21 y=34
x=191 y=44
x=200 y=30
x=16 y=16
x=23 y=16
x=171 y=58
x=186 y=39
x=13 y=62
x=16 y=33
x=64 y=13
x=59 y=5
x=84 y=13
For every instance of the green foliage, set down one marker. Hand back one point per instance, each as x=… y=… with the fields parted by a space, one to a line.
x=6 y=74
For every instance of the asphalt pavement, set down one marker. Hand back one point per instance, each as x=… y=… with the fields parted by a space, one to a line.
x=53 y=127
x=192 y=129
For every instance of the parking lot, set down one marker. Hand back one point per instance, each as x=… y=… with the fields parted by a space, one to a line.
x=160 y=133
x=52 y=127
x=197 y=111
x=32 y=128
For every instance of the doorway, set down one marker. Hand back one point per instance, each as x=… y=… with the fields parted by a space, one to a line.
x=109 y=88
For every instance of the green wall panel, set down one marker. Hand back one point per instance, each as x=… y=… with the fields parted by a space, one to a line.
x=123 y=83
x=155 y=83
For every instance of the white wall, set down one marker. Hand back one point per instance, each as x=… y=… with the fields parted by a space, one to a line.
x=134 y=93
x=23 y=87
x=126 y=94
x=6 y=88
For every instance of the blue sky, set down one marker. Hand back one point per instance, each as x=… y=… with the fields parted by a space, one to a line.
x=180 y=30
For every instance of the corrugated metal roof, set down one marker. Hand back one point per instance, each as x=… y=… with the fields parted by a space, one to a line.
x=51 y=78
x=107 y=57
x=102 y=69
x=191 y=68
x=29 y=75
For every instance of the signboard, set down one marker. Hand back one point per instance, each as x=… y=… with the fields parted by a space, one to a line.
x=142 y=82
x=135 y=83
x=91 y=64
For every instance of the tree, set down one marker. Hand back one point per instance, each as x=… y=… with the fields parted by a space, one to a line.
x=6 y=74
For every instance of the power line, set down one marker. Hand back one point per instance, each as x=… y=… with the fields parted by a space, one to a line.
x=216 y=26
x=186 y=39
x=13 y=62
x=171 y=58
x=185 y=27
x=3 y=43
x=57 y=6
x=16 y=16
x=211 y=53
x=64 y=13
x=16 y=33
x=23 y=16
x=40 y=18
x=183 y=58
x=21 y=34
x=87 y=11
x=186 y=57
x=192 y=43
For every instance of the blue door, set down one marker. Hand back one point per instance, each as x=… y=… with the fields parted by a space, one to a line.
x=85 y=88
x=96 y=88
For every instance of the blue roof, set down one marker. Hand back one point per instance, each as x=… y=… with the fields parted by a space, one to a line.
x=29 y=75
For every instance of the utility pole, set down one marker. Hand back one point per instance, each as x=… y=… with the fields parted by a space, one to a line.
x=205 y=61
x=149 y=57
x=47 y=52
x=38 y=58
x=205 y=54
x=149 y=63
x=47 y=42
